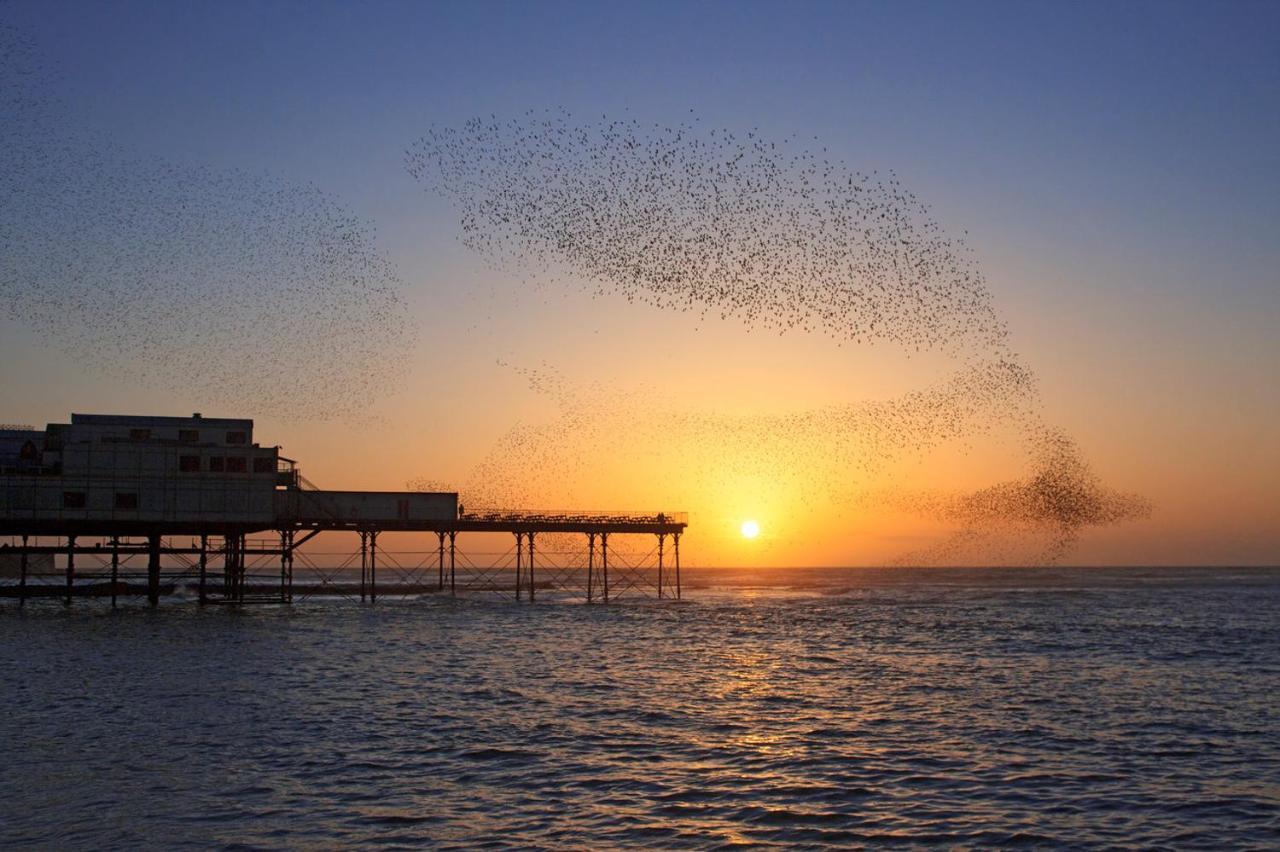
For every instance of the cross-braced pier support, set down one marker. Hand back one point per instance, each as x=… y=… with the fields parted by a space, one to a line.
x=591 y=566
x=115 y=569
x=604 y=563
x=662 y=539
x=519 y=560
x=453 y=565
x=675 y=538
x=532 y=582
x=373 y=567
x=23 y=561
x=71 y=565
x=153 y=569
x=202 y=590
x=286 y=566
x=364 y=564
x=71 y=569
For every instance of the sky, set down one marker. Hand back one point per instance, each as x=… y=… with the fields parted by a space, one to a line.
x=1115 y=167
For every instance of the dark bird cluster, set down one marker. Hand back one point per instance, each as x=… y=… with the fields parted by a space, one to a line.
x=252 y=291
x=1037 y=519
x=711 y=220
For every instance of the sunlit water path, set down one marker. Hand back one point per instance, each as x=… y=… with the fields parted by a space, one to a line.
x=973 y=707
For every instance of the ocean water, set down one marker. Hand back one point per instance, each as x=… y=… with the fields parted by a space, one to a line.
x=979 y=708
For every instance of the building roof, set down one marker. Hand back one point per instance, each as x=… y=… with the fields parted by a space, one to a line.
x=142 y=420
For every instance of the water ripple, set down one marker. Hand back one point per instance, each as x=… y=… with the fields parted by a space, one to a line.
x=980 y=709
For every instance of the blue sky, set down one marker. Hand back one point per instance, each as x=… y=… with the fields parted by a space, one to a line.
x=1133 y=127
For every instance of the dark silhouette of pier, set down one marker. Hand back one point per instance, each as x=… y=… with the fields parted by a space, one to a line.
x=85 y=505
x=231 y=566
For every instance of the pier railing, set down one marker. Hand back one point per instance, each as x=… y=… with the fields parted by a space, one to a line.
x=572 y=516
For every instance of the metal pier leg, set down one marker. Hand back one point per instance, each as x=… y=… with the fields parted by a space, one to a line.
x=229 y=569
x=240 y=568
x=203 y=595
x=531 y=587
x=71 y=567
x=604 y=563
x=591 y=564
x=676 y=537
x=284 y=564
x=373 y=567
x=364 y=562
x=22 y=575
x=228 y=588
x=288 y=592
x=453 y=565
x=115 y=568
x=153 y=570
x=519 y=559
x=232 y=566
x=662 y=538
x=440 y=573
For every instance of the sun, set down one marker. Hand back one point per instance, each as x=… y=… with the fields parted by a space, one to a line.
x=750 y=529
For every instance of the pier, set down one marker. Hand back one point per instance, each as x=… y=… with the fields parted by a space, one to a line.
x=112 y=507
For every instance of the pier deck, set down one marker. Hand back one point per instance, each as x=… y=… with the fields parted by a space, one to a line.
x=231 y=564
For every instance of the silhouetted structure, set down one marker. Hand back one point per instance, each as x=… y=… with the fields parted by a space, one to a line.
x=136 y=484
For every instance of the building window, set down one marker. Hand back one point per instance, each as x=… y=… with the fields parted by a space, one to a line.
x=264 y=464
x=127 y=500
x=139 y=434
x=237 y=438
x=215 y=464
x=189 y=464
x=236 y=464
x=73 y=499
x=189 y=436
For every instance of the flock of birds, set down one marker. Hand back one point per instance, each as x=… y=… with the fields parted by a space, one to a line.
x=779 y=237
x=709 y=220
x=248 y=290
x=1035 y=519
x=264 y=293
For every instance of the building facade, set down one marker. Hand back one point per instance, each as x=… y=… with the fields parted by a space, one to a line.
x=115 y=473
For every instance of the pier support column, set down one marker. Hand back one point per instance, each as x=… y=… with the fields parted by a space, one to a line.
x=240 y=567
x=115 y=568
x=662 y=539
x=364 y=562
x=230 y=584
x=519 y=559
x=531 y=586
x=153 y=569
x=604 y=563
x=453 y=565
x=228 y=588
x=591 y=565
x=373 y=567
x=203 y=593
x=676 y=538
x=71 y=568
x=440 y=572
x=286 y=566
x=22 y=574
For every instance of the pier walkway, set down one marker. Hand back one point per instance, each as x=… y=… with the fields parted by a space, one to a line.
x=593 y=557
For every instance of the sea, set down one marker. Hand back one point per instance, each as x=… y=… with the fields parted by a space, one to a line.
x=832 y=708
